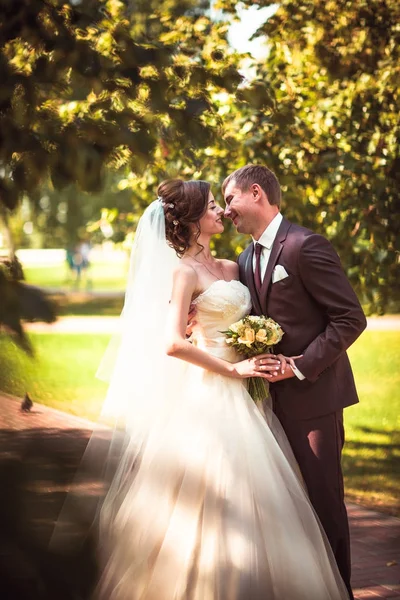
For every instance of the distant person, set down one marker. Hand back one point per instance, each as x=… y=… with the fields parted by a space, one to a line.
x=85 y=248
x=69 y=257
x=78 y=262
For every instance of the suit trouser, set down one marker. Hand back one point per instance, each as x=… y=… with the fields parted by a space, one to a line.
x=317 y=445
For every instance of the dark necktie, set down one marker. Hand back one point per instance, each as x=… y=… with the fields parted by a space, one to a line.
x=257 y=272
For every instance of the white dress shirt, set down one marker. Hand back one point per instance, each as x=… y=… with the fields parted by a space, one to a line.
x=266 y=240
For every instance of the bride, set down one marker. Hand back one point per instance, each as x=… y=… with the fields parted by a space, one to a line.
x=207 y=502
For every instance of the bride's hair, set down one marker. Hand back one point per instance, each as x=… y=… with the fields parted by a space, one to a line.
x=185 y=202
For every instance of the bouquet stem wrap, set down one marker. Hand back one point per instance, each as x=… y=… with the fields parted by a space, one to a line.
x=258 y=389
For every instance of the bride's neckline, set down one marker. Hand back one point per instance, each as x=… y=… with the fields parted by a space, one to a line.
x=212 y=284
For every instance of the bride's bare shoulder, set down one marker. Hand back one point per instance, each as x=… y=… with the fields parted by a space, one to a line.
x=185 y=272
x=230 y=268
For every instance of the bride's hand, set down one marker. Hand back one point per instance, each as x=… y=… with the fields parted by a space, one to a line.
x=191 y=320
x=258 y=366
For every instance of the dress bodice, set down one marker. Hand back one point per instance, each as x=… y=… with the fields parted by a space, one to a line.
x=220 y=305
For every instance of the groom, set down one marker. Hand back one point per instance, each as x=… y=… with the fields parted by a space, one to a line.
x=295 y=277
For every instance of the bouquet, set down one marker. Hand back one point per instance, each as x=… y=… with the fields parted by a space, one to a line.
x=250 y=337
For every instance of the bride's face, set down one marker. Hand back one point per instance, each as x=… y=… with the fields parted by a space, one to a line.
x=211 y=222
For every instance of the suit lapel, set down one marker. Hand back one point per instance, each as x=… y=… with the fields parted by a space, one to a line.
x=273 y=257
x=248 y=269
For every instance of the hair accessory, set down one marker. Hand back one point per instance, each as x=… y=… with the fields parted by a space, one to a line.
x=175 y=222
x=169 y=205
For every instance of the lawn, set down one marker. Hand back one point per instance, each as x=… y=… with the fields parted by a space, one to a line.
x=63 y=375
x=371 y=458
x=101 y=276
x=100 y=293
x=81 y=304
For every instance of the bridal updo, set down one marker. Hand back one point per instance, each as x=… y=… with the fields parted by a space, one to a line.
x=184 y=202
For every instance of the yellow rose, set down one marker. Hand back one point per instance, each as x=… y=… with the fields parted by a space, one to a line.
x=247 y=337
x=261 y=335
x=249 y=334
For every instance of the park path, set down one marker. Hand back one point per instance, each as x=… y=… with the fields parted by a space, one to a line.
x=109 y=325
x=45 y=438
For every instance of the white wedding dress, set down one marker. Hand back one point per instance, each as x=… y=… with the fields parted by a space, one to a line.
x=213 y=508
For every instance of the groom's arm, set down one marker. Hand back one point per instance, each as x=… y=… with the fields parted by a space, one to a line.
x=325 y=280
x=241 y=261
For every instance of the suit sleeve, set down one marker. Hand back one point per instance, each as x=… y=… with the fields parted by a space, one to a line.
x=241 y=262
x=325 y=280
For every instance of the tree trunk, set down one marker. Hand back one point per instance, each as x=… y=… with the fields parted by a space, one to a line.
x=8 y=234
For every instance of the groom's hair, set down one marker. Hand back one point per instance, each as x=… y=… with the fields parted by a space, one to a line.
x=264 y=177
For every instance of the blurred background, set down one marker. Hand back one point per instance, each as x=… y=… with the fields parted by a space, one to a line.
x=100 y=100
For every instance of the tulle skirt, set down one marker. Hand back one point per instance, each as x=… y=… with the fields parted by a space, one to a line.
x=213 y=507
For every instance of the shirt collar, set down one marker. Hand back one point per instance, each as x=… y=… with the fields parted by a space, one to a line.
x=268 y=236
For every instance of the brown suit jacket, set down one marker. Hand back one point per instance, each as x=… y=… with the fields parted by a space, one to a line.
x=320 y=315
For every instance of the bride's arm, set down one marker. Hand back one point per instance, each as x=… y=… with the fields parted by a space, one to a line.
x=184 y=287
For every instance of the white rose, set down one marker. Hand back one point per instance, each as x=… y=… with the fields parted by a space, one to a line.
x=253 y=319
x=235 y=327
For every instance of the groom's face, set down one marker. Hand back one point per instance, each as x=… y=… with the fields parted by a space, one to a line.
x=240 y=207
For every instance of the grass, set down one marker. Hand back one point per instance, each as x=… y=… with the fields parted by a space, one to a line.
x=82 y=304
x=101 y=294
x=63 y=375
x=102 y=276
x=371 y=458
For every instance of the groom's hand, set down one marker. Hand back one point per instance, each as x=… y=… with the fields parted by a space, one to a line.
x=286 y=372
x=191 y=320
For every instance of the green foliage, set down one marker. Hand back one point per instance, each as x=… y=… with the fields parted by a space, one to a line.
x=322 y=112
x=153 y=92
x=98 y=83
x=92 y=85
x=329 y=126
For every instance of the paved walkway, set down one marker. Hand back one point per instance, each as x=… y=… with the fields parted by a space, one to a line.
x=110 y=324
x=39 y=452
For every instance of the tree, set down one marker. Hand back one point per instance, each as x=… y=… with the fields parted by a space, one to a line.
x=153 y=93
x=92 y=84
x=324 y=114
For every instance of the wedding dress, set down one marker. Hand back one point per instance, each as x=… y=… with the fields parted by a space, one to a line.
x=213 y=507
